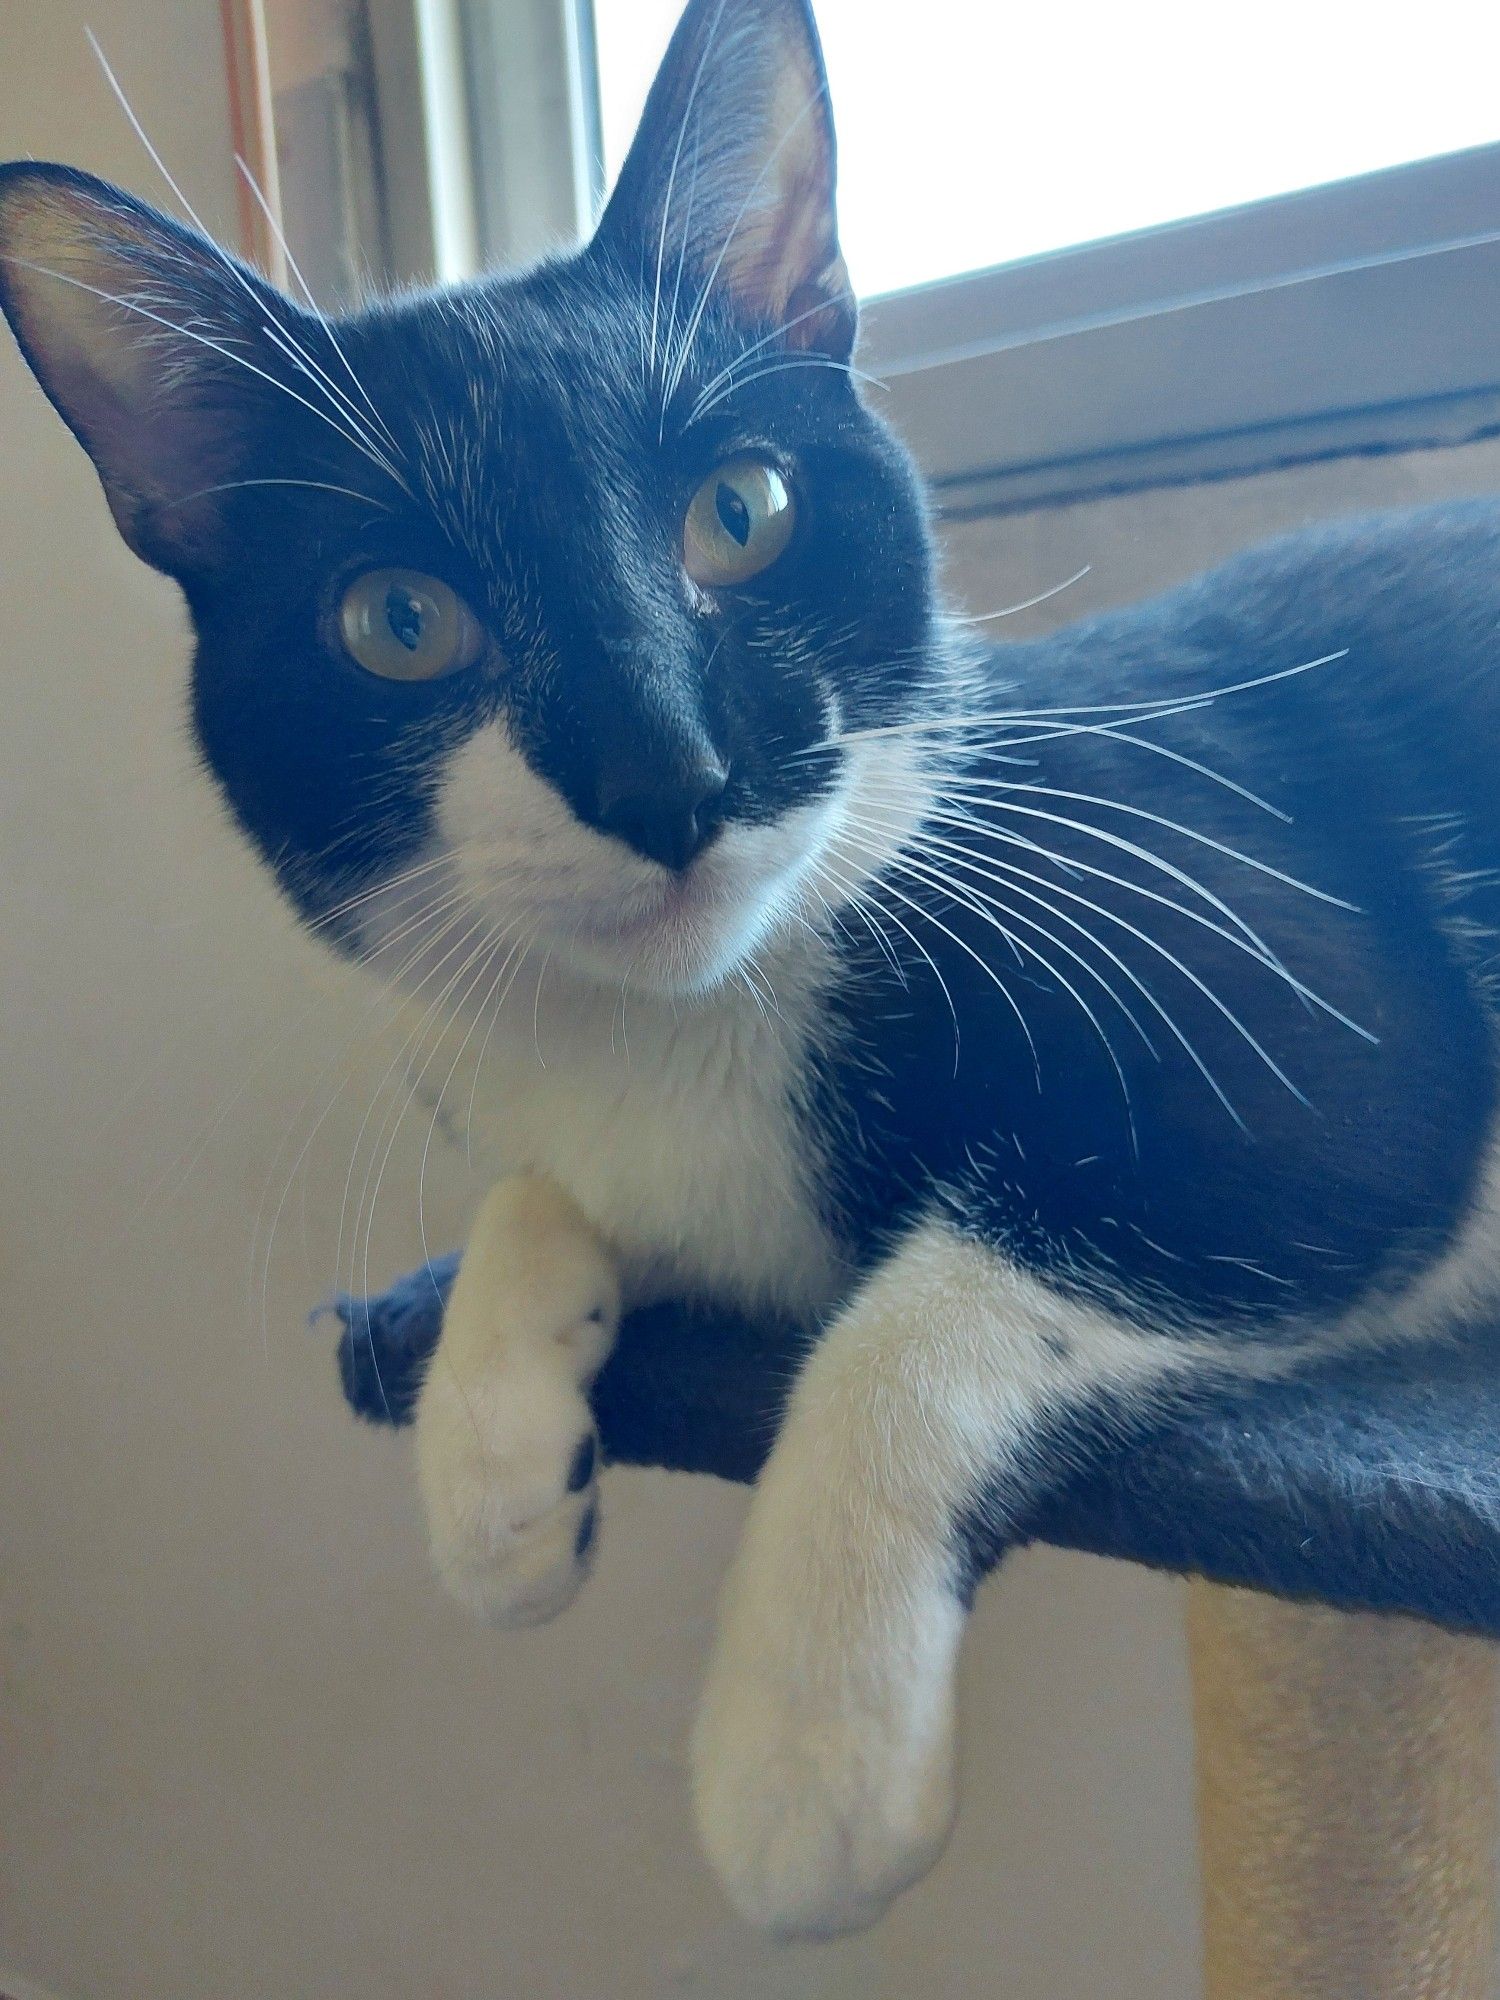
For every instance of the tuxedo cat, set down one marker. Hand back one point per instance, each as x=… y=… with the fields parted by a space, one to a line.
x=1054 y=1031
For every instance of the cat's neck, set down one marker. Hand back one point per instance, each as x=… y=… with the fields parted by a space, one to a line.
x=676 y=1122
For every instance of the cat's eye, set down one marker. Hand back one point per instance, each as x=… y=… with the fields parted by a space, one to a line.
x=406 y=626
x=738 y=523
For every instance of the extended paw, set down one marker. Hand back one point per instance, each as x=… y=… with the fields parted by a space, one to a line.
x=506 y=1454
x=824 y=1786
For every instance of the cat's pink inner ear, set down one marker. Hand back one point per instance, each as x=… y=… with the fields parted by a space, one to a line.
x=72 y=282
x=781 y=257
x=108 y=313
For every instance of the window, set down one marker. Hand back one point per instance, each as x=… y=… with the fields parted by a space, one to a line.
x=974 y=134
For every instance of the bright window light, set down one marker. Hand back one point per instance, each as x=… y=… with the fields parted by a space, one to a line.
x=973 y=132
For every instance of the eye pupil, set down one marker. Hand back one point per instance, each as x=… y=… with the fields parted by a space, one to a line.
x=734 y=515
x=403 y=613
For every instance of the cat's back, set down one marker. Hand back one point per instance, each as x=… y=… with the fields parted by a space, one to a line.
x=1385 y=622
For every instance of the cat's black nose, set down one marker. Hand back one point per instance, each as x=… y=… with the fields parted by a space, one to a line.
x=669 y=821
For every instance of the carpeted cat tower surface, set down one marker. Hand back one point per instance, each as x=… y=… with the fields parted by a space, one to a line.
x=1346 y=1763
x=1374 y=1485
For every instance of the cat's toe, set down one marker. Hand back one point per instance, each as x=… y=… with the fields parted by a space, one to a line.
x=508 y=1473
x=814 y=1811
x=526 y=1574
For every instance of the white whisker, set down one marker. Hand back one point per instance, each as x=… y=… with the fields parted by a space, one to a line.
x=457 y=947
x=755 y=347
x=407 y=1092
x=1026 y=603
x=782 y=367
x=1005 y=790
x=313 y=307
x=1249 y=942
x=666 y=206
x=227 y=262
x=492 y=953
x=971 y=900
x=859 y=896
x=1127 y=711
x=312 y=485
x=386 y=993
x=984 y=966
x=975 y=864
x=521 y=951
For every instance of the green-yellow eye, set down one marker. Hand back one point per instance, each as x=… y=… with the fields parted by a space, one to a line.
x=738 y=522
x=406 y=626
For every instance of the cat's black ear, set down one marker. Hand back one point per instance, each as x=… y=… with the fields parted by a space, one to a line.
x=150 y=341
x=732 y=172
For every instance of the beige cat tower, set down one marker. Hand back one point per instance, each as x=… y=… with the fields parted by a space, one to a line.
x=1343 y=1536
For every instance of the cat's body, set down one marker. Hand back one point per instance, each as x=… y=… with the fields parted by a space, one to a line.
x=1052 y=1031
x=785 y=1126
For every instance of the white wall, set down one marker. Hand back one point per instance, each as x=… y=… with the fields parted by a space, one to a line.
x=247 y=1752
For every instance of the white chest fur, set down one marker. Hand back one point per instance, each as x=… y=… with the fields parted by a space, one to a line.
x=673 y=1125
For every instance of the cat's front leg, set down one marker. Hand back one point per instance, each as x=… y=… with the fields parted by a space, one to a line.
x=824 y=1750
x=506 y=1453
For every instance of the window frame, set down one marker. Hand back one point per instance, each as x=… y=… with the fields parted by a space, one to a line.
x=1361 y=316
x=488 y=120
x=1358 y=317
x=533 y=119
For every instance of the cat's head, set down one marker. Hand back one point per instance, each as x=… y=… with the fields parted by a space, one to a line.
x=548 y=595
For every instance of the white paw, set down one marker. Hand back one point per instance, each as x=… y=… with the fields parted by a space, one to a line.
x=507 y=1473
x=507 y=1460
x=823 y=1773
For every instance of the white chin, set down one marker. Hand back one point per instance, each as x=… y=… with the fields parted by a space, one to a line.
x=674 y=953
